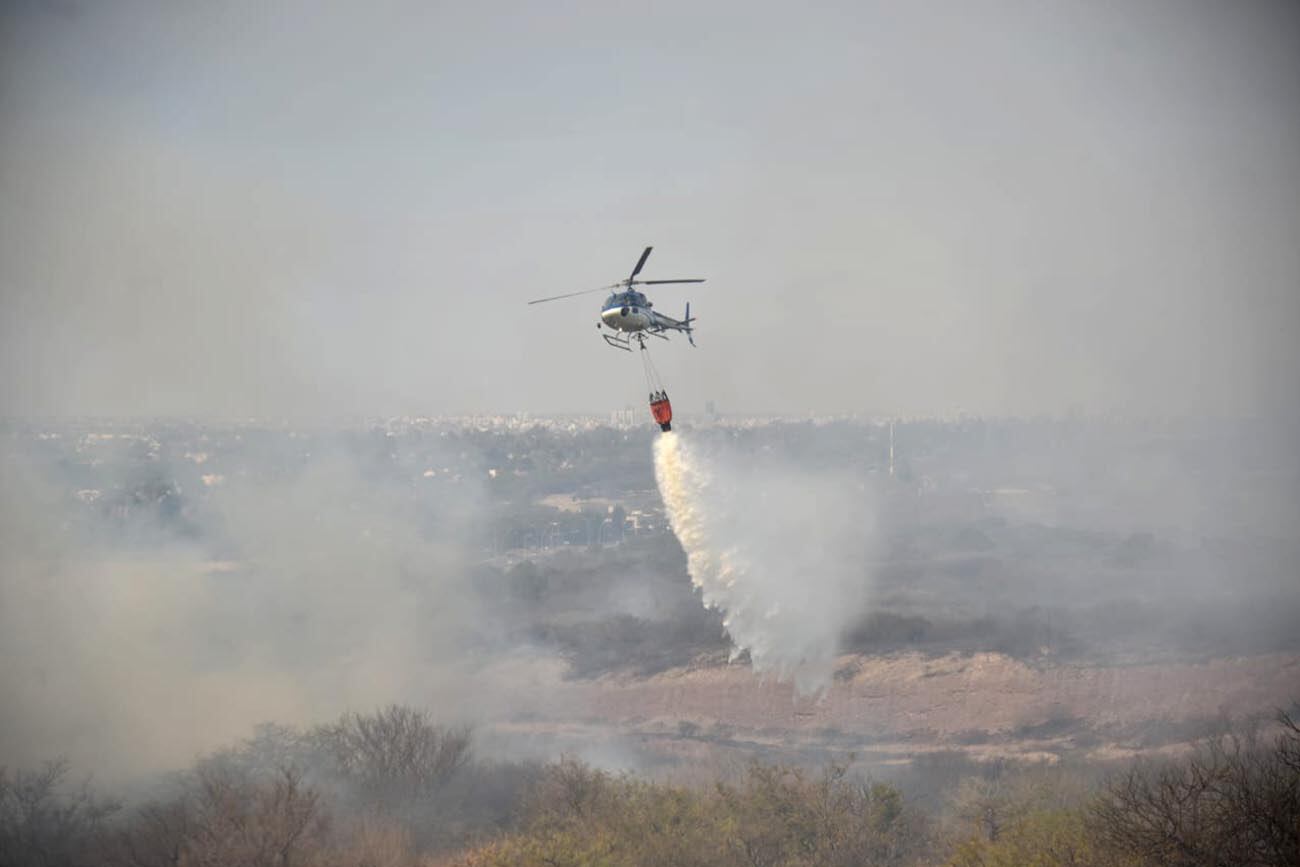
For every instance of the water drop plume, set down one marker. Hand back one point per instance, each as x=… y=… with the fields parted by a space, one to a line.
x=780 y=550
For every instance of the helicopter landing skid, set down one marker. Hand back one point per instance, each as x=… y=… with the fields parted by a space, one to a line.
x=620 y=341
x=624 y=340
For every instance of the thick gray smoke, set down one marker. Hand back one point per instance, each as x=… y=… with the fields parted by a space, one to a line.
x=780 y=551
x=129 y=647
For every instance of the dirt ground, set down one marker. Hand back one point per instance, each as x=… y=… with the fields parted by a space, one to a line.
x=891 y=708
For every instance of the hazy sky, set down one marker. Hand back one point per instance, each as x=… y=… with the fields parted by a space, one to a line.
x=307 y=208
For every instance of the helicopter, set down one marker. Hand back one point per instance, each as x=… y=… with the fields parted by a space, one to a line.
x=630 y=315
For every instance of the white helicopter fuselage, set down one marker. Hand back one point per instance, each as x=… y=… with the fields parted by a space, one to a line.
x=628 y=312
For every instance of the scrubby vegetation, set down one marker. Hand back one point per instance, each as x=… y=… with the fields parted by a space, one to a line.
x=774 y=816
x=393 y=788
x=1235 y=800
x=382 y=788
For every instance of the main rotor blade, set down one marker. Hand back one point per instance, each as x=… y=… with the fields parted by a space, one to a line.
x=648 y=282
x=573 y=294
x=641 y=262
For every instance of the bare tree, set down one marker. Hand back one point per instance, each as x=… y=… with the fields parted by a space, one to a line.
x=225 y=817
x=1234 y=802
x=988 y=804
x=43 y=824
x=157 y=835
x=397 y=752
x=240 y=822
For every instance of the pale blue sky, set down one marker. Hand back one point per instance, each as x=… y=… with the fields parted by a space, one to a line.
x=305 y=208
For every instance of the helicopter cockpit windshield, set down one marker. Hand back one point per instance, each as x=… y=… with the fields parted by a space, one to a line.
x=627 y=299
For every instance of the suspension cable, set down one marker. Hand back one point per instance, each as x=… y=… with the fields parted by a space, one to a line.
x=653 y=382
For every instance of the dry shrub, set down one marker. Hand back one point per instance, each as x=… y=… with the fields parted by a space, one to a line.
x=776 y=817
x=395 y=753
x=226 y=817
x=375 y=841
x=43 y=822
x=1235 y=800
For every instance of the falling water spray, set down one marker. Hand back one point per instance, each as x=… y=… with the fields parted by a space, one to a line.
x=780 y=551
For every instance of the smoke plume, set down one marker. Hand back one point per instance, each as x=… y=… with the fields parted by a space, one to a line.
x=129 y=645
x=780 y=552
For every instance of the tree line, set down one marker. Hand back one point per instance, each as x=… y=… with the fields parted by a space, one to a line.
x=393 y=788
